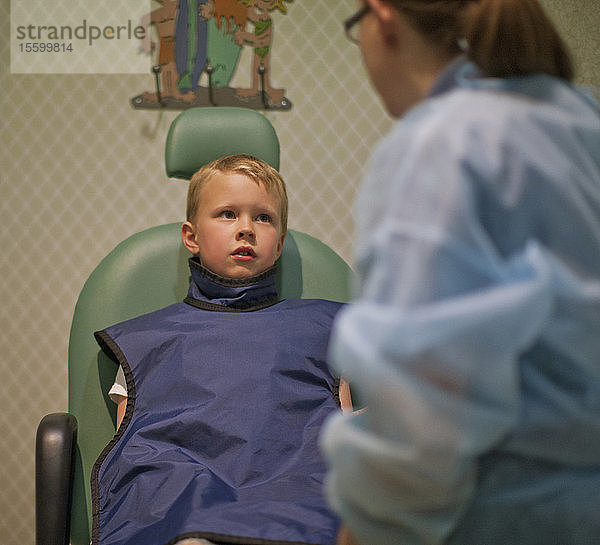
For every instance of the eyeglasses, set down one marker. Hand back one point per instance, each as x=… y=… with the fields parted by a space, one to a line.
x=351 y=27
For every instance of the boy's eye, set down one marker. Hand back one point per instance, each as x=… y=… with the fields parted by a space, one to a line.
x=263 y=218
x=228 y=214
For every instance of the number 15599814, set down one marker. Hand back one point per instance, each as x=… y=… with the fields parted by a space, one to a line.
x=45 y=47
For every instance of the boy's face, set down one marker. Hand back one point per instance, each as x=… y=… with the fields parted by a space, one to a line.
x=237 y=228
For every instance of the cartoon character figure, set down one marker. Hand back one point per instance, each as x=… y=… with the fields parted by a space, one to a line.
x=224 y=18
x=261 y=39
x=163 y=19
x=191 y=31
x=206 y=37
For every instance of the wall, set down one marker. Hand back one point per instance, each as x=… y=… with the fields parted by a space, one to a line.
x=81 y=170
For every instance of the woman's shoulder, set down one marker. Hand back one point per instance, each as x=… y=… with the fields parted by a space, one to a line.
x=496 y=112
x=515 y=102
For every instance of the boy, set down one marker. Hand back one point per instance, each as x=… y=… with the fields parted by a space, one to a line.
x=225 y=392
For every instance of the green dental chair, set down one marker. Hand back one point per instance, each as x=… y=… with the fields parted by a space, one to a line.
x=146 y=272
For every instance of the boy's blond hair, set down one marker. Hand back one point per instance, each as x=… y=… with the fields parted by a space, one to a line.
x=248 y=165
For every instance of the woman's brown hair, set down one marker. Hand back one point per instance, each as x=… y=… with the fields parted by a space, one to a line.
x=504 y=37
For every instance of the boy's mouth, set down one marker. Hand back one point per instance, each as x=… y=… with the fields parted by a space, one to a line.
x=243 y=253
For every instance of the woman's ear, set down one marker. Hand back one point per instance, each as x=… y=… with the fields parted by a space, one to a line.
x=188 y=236
x=382 y=9
x=387 y=17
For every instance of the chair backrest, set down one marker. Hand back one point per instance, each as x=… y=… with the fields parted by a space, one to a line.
x=200 y=135
x=148 y=271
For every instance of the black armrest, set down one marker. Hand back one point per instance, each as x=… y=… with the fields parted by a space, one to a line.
x=54 y=464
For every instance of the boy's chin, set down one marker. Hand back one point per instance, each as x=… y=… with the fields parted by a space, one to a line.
x=238 y=271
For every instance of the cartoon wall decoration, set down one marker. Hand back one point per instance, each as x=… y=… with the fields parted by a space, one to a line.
x=197 y=37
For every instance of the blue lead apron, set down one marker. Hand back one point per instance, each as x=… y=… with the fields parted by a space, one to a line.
x=220 y=436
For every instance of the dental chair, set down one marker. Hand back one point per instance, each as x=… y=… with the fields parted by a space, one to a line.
x=145 y=272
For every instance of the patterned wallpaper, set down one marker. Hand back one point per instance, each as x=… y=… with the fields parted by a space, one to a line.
x=81 y=170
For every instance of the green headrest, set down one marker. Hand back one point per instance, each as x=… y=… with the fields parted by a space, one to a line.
x=200 y=135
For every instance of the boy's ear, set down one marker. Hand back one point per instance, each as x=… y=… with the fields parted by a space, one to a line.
x=280 y=245
x=189 y=237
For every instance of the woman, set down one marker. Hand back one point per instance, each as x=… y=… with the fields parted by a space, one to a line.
x=474 y=339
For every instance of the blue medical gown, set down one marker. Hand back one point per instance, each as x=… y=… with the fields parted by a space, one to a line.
x=475 y=336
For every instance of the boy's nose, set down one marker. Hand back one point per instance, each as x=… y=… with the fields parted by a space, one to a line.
x=245 y=231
